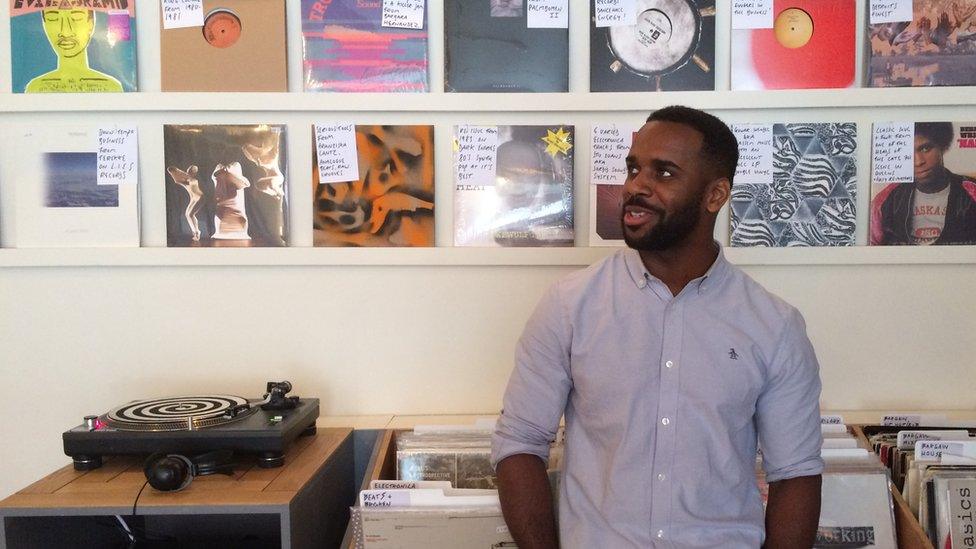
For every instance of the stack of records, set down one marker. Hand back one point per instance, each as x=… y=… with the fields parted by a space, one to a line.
x=461 y=458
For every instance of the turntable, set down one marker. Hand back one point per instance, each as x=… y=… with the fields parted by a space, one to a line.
x=196 y=424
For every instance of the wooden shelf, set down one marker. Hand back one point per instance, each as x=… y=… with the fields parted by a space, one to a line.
x=485 y=102
x=213 y=257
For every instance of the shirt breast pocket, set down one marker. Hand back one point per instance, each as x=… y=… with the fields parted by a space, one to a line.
x=723 y=381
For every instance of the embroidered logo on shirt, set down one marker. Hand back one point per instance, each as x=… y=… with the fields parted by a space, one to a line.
x=732 y=354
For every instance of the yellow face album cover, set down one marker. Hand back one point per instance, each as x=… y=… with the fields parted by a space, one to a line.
x=66 y=46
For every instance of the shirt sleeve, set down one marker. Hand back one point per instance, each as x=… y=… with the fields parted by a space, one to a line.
x=788 y=409
x=539 y=386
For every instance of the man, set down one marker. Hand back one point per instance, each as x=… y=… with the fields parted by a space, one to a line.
x=938 y=208
x=69 y=32
x=668 y=363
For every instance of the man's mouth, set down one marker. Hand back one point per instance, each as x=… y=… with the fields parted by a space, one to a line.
x=635 y=216
x=923 y=174
x=67 y=43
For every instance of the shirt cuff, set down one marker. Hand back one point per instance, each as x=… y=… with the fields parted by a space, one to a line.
x=806 y=468
x=502 y=447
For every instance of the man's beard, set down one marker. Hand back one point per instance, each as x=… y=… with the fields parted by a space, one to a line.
x=670 y=228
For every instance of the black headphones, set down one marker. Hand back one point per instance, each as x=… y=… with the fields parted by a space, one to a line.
x=172 y=472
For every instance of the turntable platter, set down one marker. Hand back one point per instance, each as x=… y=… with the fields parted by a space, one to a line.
x=663 y=39
x=178 y=413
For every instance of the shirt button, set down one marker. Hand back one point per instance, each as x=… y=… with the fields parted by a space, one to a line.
x=660 y=533
x=665 y=421
x=661 y=477
x=669 y=364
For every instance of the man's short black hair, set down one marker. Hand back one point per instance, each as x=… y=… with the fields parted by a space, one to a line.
x=719 y=146
x=940 y=133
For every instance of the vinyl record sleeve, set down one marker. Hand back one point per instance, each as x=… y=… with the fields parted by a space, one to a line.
x=392 y=203
x=489 y=48
x=56 y=199
x=894 y=206
x=856 y=512
x=73 y=50
x=811 y=198
x=670 y=48
x=811 y=45
x=241 y=47
x=226 y=185
x=530 y=202
x=936 y=48
x=346 y=49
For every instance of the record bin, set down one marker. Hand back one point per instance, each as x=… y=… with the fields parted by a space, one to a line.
x=910 y=533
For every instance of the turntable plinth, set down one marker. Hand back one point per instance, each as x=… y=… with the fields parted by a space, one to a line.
x=304 y=503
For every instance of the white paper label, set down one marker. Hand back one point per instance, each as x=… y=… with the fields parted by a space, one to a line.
x=831 y=420
x=755 y=153
x=938 y=450
x=384 y=498
x=547 y=14
x=908 y=439
x=118 y=156
x=337 y=153
x=752 y=14
x=891 y=11
x=963 y=520
x=404 y=14
x=913 y=420
x=475 y=157
x=615 y=13
x=178 y=14
x=892 y=153
x=608 y=158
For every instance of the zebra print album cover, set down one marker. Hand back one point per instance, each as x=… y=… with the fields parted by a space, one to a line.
x=392 y=202
x=811 y=199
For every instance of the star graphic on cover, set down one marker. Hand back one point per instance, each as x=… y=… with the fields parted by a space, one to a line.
x=557 y=142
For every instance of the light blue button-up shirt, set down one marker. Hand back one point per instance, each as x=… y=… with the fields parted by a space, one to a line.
x=664 y=398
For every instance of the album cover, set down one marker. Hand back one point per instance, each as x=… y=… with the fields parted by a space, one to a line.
x=529 y=202
x=962 y=521
x=811 y=45
x=811 y=196
x=83 y=49
x=856 y=512
x=489 y=48
x=346 y=49
x=226 y=185
x=671 y=47
x=607 y=224
x=241 y=47
x=939 y=206
x=392 y=203
x=57 y=199
x=463 y=467
x=936 y=48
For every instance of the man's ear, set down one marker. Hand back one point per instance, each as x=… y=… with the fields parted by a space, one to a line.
x=717 y=194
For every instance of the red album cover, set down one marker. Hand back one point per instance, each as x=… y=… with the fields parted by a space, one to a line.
x=811 y=45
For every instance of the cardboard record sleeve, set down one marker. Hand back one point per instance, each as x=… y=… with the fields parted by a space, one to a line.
x=241 y=47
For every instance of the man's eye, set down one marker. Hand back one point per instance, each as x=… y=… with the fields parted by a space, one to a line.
x=665 y=173
x=632 y=170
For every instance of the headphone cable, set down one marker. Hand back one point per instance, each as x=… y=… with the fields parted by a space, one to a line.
x=136 y=502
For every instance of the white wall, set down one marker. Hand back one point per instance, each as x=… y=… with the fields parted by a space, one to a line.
x=428 y=338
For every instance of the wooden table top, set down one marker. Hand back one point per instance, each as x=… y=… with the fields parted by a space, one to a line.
x=116 y=483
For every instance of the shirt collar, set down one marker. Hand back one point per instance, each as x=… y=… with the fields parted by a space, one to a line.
x=711 y=278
